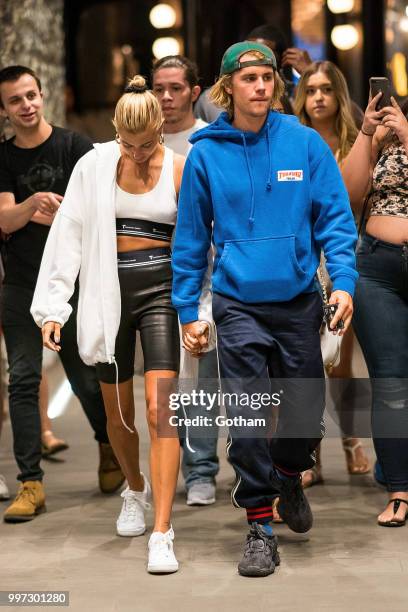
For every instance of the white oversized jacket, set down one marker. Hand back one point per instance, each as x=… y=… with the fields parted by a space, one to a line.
x=82 y=239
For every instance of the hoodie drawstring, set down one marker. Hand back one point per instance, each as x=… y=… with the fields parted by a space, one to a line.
x=251 y=178
x=269 y=183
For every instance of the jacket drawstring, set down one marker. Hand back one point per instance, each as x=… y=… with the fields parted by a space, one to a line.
x=113 y=360
x=251 y=178
x=187 y=438
x=269 y=183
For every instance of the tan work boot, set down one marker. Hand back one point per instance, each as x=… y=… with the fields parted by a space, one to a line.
x=29 y=501
x=110 y=474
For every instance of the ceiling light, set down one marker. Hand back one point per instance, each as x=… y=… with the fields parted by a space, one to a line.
x=344 y=37
x=403 y=24
x=165 y=46
x=340 y=6
x=162 y=16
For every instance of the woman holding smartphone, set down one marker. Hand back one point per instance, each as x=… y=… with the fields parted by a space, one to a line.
x=114 y=227
x=377 y=165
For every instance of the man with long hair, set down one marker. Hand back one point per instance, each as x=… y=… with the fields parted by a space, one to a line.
x=268 y=192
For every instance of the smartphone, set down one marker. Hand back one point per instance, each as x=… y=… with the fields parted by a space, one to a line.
x=378 y=84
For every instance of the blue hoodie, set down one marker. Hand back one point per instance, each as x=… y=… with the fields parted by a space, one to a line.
x=269 y=201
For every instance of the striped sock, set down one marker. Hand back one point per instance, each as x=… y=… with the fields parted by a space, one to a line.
x=284 y=473
x=260 y=514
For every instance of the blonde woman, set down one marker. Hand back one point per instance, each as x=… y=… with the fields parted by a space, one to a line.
x=114 y=227
x=323 y=102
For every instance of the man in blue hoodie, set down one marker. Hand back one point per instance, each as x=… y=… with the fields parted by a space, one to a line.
x=267 y=191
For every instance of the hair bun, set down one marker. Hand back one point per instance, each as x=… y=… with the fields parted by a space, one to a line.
x=136 y=85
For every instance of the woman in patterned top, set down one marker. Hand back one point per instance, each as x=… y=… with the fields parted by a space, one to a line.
x=323 y=102
x=378 y=165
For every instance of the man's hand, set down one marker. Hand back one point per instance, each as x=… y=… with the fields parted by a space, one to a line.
x=42 y=219
x=195 y=337
x=46 y=202
x=299 y=59
x=51 y=328
x=344 y=310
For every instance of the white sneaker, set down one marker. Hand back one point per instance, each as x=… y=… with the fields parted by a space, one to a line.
x=131 y=521
x=4 y=492
x=161 y=556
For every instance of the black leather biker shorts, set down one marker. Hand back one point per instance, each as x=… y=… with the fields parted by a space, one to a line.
x=145 y=279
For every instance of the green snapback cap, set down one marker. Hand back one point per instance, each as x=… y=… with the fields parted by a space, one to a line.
x=230 y=61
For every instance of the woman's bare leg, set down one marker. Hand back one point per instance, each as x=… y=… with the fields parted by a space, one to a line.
x=51 y=443
x=356 y=459
x=164 y=454
x=124 y=443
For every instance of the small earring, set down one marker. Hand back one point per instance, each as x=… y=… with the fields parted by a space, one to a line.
x=161 y=138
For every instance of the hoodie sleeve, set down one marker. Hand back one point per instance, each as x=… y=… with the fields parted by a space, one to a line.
x=61 y=258
x=192 y=240
x=334 y=227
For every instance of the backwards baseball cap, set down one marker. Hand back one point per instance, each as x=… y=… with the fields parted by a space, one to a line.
x=230 y=61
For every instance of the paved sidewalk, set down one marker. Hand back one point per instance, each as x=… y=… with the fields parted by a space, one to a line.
x=346 y=563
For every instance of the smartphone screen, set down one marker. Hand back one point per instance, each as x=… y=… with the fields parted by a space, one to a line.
x=382 y=84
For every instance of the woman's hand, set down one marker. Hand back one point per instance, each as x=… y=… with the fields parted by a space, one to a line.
x=195 y=337
x=394 y=119
x=372 y=118
x=51 y=328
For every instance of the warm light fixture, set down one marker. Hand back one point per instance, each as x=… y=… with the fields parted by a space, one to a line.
x=344 y=37
x=162 y=16
x=403 y=24
x=165 y=46
x=340 y=6
x=399 y=73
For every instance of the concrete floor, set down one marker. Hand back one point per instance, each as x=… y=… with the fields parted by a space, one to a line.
x=345 y=563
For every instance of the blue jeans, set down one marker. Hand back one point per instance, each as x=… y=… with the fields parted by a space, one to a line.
x=381 y=326
x=203 y=464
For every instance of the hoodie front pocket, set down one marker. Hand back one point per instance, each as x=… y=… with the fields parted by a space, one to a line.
x=260 y=270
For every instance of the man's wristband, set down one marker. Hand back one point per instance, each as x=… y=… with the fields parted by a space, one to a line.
x=366 y=133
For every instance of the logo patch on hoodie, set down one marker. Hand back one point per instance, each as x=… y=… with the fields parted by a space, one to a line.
x=290 y=175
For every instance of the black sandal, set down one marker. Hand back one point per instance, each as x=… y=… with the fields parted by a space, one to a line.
x=397 y=501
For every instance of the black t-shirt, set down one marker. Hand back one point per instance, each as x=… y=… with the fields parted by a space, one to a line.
x=27 y=171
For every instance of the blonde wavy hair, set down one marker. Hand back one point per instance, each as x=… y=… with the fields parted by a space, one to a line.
x=138 y=109
x=344 y=125
x=220 y=97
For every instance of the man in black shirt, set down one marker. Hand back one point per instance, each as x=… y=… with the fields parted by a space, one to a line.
x=35 y=166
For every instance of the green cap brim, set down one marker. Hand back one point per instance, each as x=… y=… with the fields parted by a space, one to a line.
x=231 y=58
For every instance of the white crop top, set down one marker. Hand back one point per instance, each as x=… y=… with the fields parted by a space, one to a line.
x=152 y=214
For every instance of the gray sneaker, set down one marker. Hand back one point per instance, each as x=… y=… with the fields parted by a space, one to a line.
x=201 y=494
x=293 y=506
x=260 y=555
